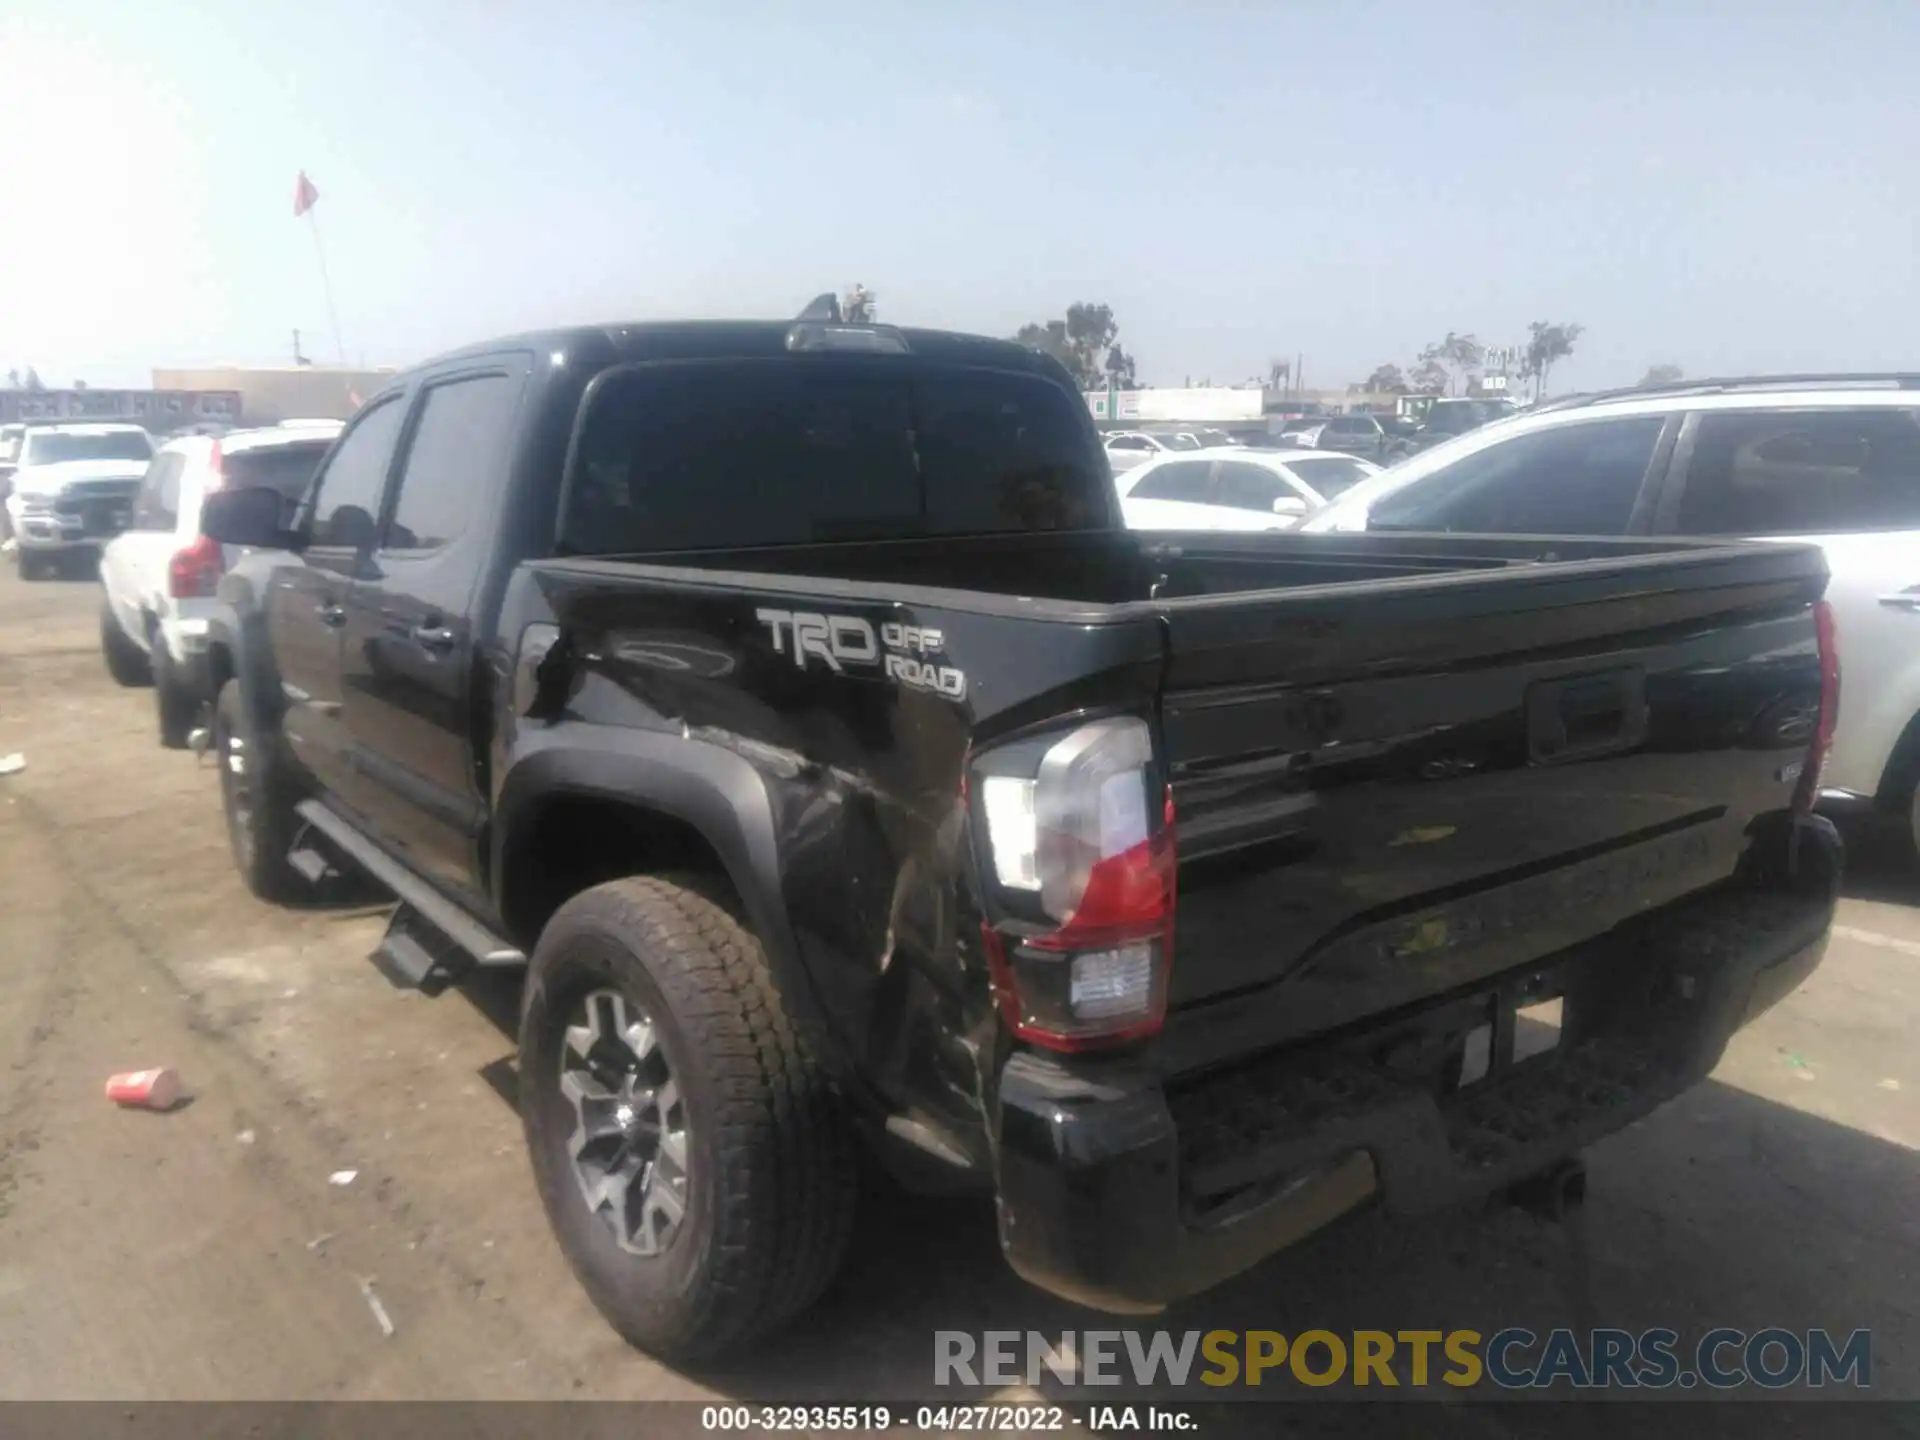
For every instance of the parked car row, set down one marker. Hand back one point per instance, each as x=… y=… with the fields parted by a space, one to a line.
x=1387 y=438
x=1128 y=448
x=159 y=575
x=1381 y=439
x=1237 y=488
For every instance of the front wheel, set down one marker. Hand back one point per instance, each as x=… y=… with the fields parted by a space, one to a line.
x=32 y=566
x=694 y=1162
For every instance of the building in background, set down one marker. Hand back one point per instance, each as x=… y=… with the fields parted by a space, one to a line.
x=1213 y=405
x=270 y=394
x=1252 y=413
x=161 y=410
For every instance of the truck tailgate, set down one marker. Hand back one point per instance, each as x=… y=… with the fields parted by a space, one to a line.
x=1388 y=790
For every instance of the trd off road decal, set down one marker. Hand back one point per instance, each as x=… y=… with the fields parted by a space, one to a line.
x=838 y=641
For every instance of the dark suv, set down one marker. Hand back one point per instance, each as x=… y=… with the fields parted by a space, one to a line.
x=1353 y=435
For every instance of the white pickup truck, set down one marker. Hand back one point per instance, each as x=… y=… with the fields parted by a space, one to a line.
x=73 y=486
x=159 y=576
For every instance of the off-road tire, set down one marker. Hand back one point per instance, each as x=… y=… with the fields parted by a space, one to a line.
x=126 y=662
x=262 y=837
x=32 y=566
x=772 y=1171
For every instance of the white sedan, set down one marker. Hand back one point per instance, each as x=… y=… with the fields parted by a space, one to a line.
x=1127 y=449
x=1235 y=488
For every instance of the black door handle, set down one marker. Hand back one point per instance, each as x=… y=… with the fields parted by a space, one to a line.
x=331 y=614
x=436 y=638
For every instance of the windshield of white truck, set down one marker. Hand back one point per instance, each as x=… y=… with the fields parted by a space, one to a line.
x=775 y=452
x=55 y=447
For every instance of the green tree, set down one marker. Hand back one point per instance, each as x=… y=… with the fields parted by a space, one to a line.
x=1429 y=378
x=1662 y=375
x=1546 y=343
x=1387 y=380
x=1457 y=356
x=1086 y=343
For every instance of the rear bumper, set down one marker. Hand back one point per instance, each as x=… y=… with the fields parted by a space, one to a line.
x=186 y=630
x=1122 y=1193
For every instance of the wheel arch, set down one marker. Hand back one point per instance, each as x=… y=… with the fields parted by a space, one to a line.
x=602 y=803
x=1902 y=772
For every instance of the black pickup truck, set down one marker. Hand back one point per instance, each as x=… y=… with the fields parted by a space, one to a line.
x=793 y=696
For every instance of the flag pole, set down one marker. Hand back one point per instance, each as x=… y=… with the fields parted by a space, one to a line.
x=326 y=285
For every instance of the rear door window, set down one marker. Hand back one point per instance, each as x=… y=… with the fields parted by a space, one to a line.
x=157 y=506
x=1576 y=479
x=1826 y=472
x=285 y=468
x=770 y=452
x=1178 y=480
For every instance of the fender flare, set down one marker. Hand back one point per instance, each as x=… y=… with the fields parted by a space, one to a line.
x=241 y=632
x=714 y=791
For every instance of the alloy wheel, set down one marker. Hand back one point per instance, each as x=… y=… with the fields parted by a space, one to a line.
x=629 y=1146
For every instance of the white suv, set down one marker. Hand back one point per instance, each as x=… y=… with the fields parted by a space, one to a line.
x=159 y=576
x=1835 y=460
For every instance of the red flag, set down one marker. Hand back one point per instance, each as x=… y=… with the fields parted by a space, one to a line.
x=304 y=194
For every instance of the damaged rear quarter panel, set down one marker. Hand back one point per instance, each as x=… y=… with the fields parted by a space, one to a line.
x=856 y=715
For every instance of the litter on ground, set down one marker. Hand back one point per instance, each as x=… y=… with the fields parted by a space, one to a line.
x=379 y=1310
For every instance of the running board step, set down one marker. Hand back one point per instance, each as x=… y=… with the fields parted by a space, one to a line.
x=412 y=957
x=467 y=934
x=312 y=866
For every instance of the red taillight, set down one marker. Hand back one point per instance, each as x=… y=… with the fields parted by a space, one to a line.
x=1090 y=845
x=194 y=571
x=1808 y=791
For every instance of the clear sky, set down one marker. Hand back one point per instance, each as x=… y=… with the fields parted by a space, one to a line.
x=1727 y=186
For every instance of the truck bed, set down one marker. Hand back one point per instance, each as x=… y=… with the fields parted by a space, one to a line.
x=1400 y=764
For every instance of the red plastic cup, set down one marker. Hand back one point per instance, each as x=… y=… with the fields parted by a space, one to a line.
x=149 y=1089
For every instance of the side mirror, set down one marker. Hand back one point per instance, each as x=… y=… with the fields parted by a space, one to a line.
x=1290 y=505
x=248 y=517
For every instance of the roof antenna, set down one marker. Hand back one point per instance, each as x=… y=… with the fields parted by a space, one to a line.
x=822 y=307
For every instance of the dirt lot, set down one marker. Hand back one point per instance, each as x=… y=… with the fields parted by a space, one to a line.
x=204 y=1253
